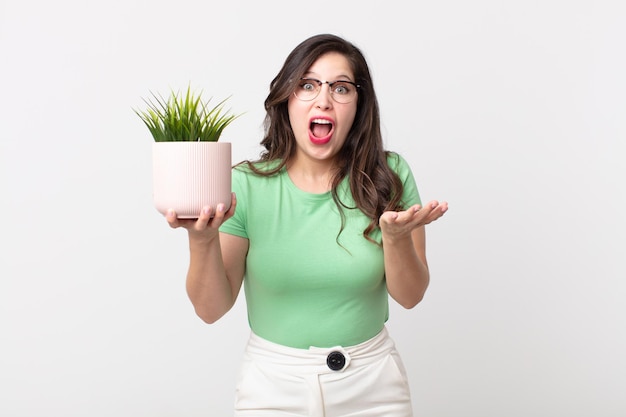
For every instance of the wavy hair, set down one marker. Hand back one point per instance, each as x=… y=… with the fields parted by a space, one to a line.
x=375 y=187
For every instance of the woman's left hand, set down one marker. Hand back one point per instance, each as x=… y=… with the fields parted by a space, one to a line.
x=400 y=224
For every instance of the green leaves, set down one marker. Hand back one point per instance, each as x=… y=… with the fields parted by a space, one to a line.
x=184 y=118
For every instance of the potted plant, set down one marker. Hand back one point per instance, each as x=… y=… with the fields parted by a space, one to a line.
x=190 y=168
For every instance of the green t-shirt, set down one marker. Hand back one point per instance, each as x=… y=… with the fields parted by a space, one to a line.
x=305 y=286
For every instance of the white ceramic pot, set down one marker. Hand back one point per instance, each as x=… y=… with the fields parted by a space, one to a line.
x=190 y=175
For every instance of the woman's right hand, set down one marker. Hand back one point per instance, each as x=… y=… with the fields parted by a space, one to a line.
x=206 y=227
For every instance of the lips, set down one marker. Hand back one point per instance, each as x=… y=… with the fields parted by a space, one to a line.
x=321 y=130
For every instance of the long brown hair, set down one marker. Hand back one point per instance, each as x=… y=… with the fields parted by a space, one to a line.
x=375 y=187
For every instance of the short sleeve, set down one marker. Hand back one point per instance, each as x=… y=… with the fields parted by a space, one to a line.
x=237 y=224
x=410 y=195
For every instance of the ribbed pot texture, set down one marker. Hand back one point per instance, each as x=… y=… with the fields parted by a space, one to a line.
x=190 y=175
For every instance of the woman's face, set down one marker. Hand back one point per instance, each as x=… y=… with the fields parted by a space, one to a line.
x=321 y=125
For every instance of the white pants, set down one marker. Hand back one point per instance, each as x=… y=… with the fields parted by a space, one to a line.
x=369 y=380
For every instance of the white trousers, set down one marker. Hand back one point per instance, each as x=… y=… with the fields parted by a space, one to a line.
x=367 y=380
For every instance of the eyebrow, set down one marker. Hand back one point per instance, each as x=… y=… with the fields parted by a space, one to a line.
x=342 y=77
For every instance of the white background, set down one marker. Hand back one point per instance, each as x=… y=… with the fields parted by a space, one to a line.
x=513 y=111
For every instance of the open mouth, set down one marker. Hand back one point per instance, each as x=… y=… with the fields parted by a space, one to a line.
x=320 y=130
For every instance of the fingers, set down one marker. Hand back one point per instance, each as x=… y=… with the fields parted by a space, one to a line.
x=417 y=215
x=433 y=210
x=172 y=219
x=233 y=204
x=208 y=217
x=204 y=218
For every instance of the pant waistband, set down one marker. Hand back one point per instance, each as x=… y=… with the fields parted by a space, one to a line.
x=317 y=360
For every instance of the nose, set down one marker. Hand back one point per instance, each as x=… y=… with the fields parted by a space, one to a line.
x=323 y=99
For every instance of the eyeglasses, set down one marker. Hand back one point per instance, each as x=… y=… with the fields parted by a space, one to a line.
x=341 y=91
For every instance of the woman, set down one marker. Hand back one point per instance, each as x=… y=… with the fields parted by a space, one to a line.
x=324 y=227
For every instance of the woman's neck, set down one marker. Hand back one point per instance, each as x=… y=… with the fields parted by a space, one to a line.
x=310 y=175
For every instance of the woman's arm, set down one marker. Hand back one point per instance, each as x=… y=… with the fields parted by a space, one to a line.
x=215 y=275
x=404 y=248
x=216 y=262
